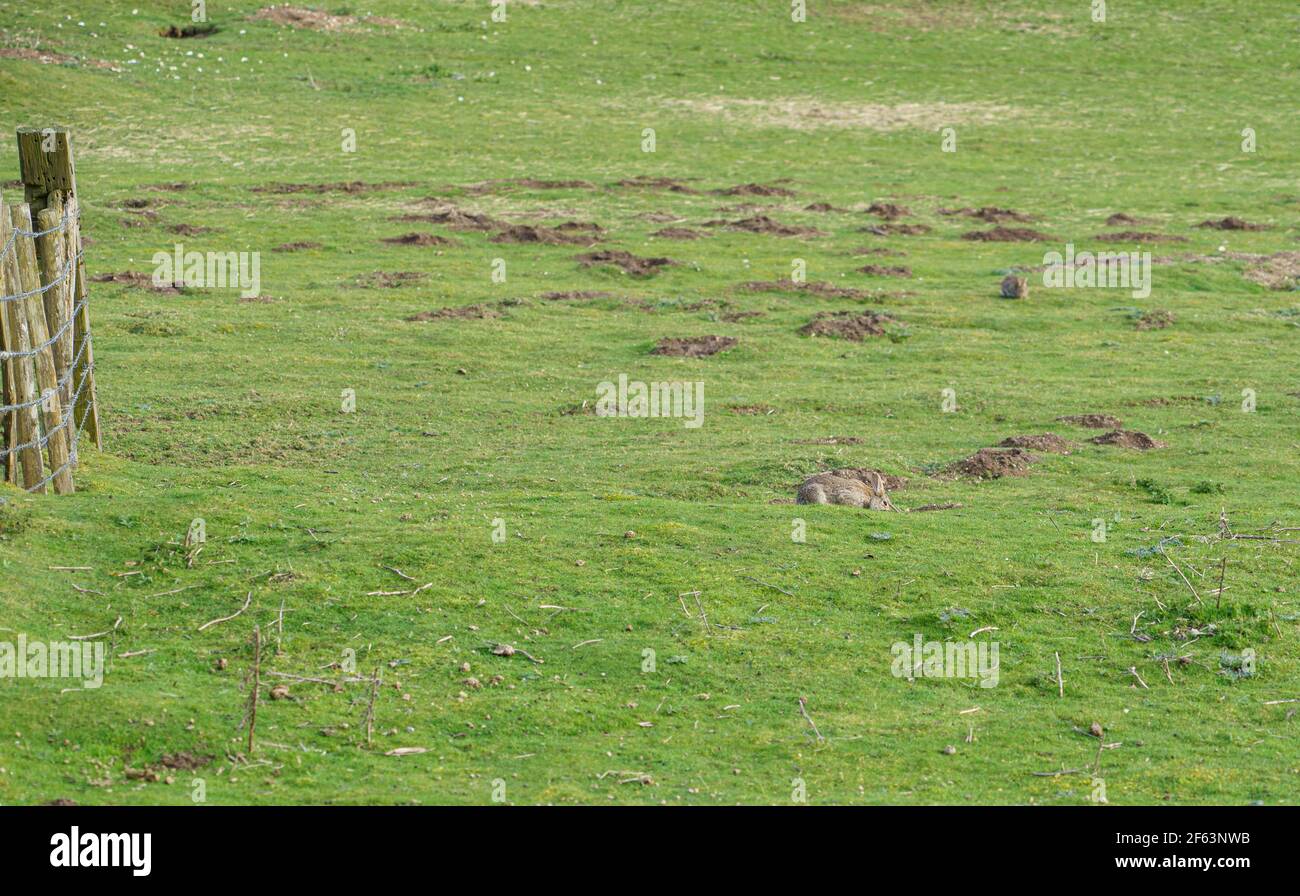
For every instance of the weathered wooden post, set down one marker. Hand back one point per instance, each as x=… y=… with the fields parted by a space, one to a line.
x=49 y=178
x=18 y=339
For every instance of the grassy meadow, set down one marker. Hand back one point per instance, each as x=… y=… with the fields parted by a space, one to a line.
x=673 y=640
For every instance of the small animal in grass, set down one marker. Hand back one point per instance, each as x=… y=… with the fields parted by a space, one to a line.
x=854 y=488
x=1014 y=287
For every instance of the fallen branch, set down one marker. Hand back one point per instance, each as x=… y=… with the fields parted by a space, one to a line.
x=247 y=601
x=96 y=634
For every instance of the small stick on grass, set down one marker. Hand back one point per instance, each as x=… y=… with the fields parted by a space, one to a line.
x=804 y=709
x=257 y=686
x=1060 y=682
x=1134 y=672
x=96 y=634
x=370 y=708
x=1181 y=576
x=248 y=600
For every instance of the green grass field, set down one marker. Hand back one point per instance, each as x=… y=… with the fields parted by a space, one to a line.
x=623 y=536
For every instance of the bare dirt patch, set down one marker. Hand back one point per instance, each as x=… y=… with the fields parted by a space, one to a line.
x=823 y=208
x=189 y=229
x=352 y=187
x=481 y=311
x=453 y=218
x=896 y=229
x=1128 y=438
x=764 y=224
x=138 y=280
x=584 y=295
x=388 y=279
x=885 y=270
x=677 y=233
x=301 y=246
x=527 y=233
x=643 y=182
x=693 y=346
x=852 y=325
x=888 y=210
x=49 y=57
x=815 y=287
x=316 y=20
x=630 y=264
x=1119 y=219
x=1231 y=223
x=1278 y=271
x=1006 y=235
x=811 y=113
x=755 y=190
x=417 y=239
x=993 y=463
x=879 y=251
x=527 y=183
x=1154 y=320
x=1092 y=421
x=732 y=317
x=990 y=213
x=1139 y=236
x=1048 y=442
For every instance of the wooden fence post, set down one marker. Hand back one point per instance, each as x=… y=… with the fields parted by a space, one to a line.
x=18 y=339
x=47 y=379
x=48 y=173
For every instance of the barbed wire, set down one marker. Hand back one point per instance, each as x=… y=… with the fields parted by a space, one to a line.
x=67 y=411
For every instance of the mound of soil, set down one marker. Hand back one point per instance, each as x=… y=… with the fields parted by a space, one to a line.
x=202 y=29
x=49 y=57
x=579 y=227
x=526 y=233
x=879 y=251
x=852 y=325
x=1128 y=438
x=693 y=346
x=482 y=311
x=631 y=264
x=755 y=190
x=896 y=229
x=138 y=280
x=643 y=182
x=296 y=247
x=888 y=210
x=189 y=229
x=1139 y=236
x=453 y=218
x=528 y=183
x=989 y=213
x=1154 y=320
x=732 y=317
x=1006 y=235
x=994 y=463
x=1119 y=219
x=581 y=294
x=352 y=187
x=1092 y=421
x=677 y=233
x=882 y=270
x=867 y=489
x=1014 y=287
x=1231 y=223
x=823 y=207
x=815 y=287
x=417 y=239
x=764 y=224
x=1049 y=442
